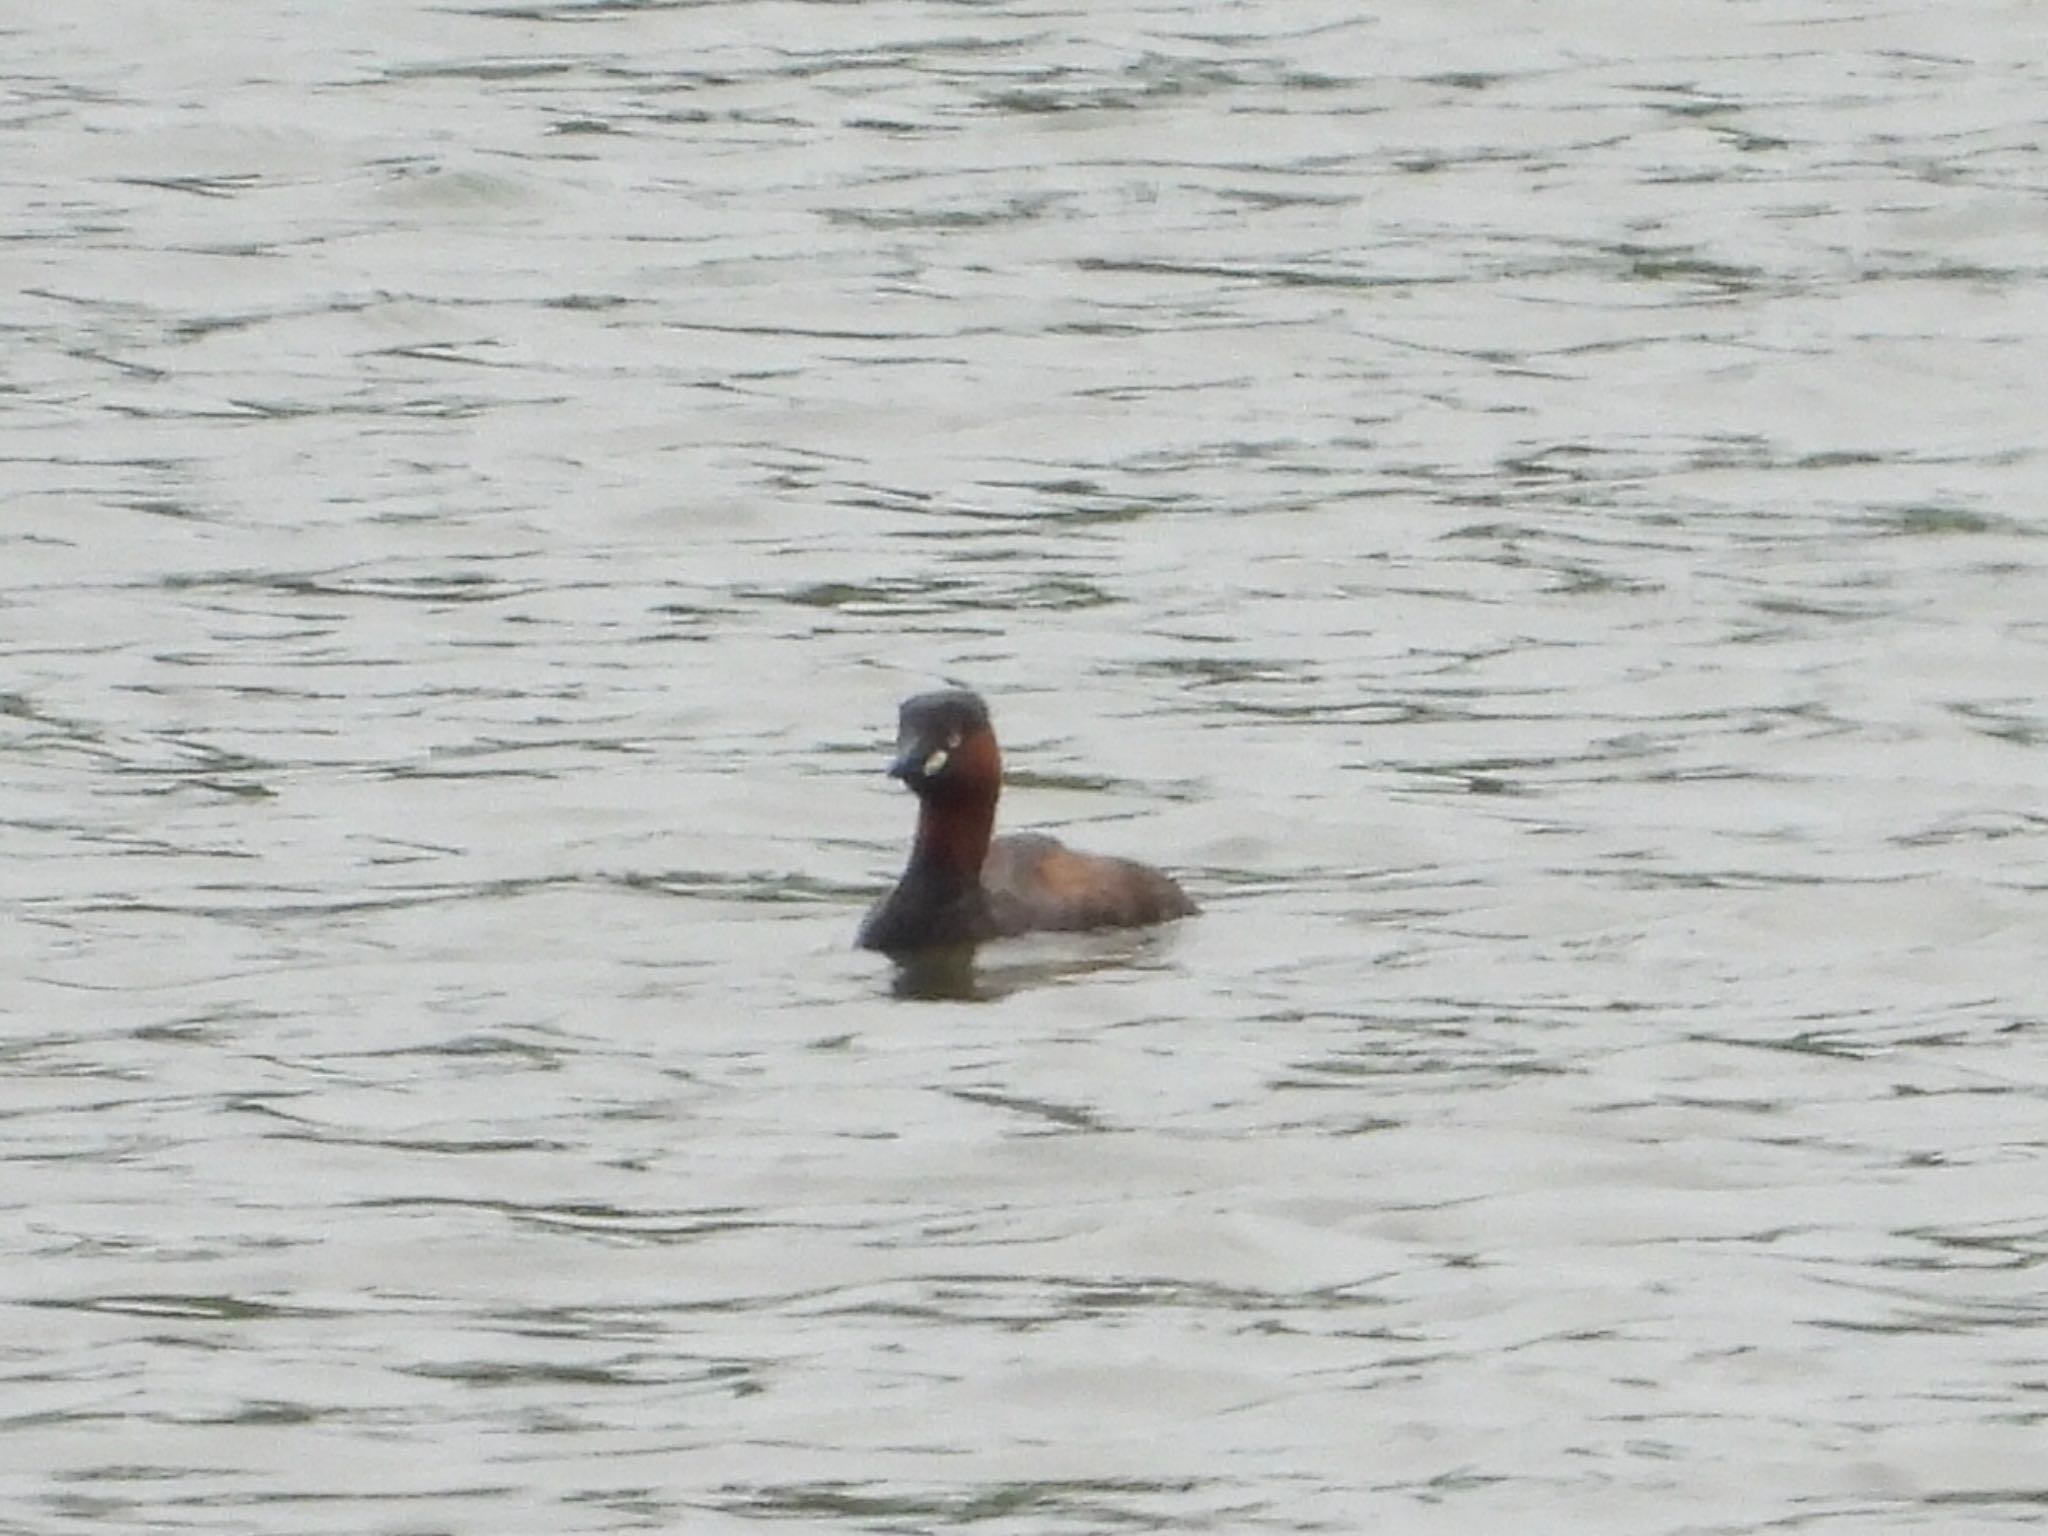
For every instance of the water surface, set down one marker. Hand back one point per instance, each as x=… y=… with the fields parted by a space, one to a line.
x=1534 y=512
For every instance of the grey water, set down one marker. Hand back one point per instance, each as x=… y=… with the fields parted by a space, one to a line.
x=1535 y=512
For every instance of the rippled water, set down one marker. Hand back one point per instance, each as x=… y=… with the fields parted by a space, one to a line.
x=1534 y=511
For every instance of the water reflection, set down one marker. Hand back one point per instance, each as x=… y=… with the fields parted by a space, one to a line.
x=940 y=975
x=997 y=970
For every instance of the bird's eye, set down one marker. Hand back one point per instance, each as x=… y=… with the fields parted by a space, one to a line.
x=935 y=762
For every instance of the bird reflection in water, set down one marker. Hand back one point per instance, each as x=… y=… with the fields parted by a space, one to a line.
x=966 y=973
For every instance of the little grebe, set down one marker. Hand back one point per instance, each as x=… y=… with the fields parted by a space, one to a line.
x=962 y=886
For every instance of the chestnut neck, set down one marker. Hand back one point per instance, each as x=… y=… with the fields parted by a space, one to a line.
x=956 y=817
